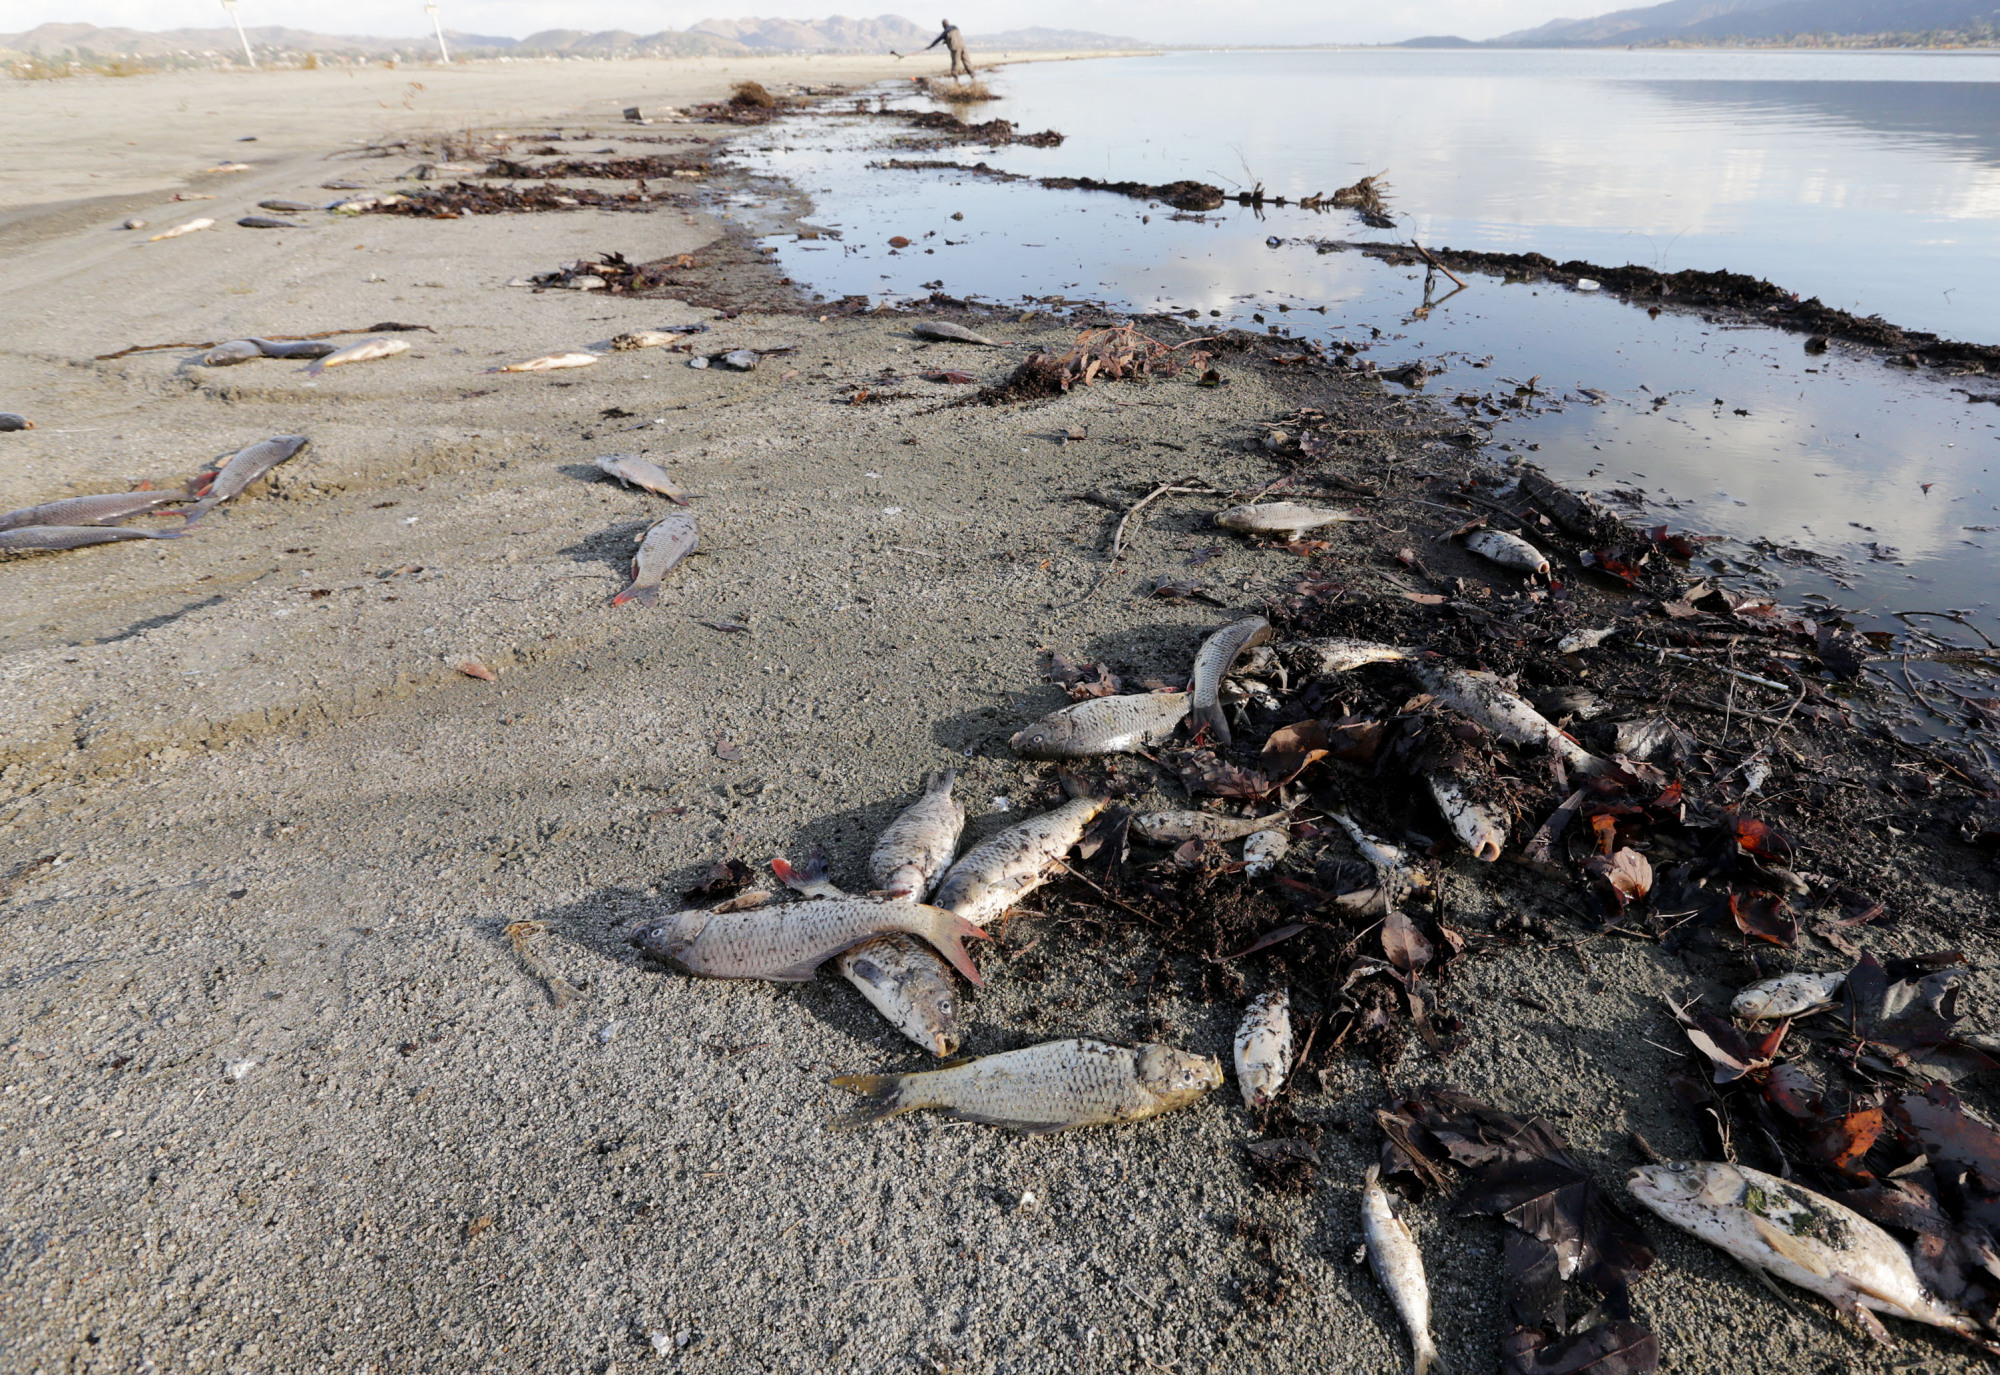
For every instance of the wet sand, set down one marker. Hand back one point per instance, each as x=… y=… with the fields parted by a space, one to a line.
x=285 y=1096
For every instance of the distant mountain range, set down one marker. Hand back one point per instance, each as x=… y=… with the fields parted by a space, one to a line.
x=1720 y=22
x=711 y=37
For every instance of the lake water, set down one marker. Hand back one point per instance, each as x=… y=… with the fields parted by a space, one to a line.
x=1869 y=180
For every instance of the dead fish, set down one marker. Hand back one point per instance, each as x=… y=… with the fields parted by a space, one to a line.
x=296 y=348
x=1399 y=1267
x=74 y=536
x=1103 y=725
x=1012 y=863
x=229 y=354
x=245 y=467
x=1264 y=1048
x=664 y=544
x=786 y=943
x=1177 y=828
x=1788 y=995
x=1480 y=828
x=1285 y=518
x=267 y=222
x=1509 y=551
x=654 y=338
x=1579 y=640
x=1046 y=1088
x=11 y=421
x=134 y=223
x=900 y=976
x=107 y=508
x=743 y=360
x=947 y=332
x=549 y=362
x=1262 y=850
x=1777 y=1228
x=1334 y=655
x=291 y=207
x=915 y=848
x=1480 y=699
x=359 y=353
x=634 y=471
x=1393 y=874
x=190 y=227
x=1212 y=662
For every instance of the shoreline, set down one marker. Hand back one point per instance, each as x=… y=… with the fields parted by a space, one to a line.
x=294 y=1072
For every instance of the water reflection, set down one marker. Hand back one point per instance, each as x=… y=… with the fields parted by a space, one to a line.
x=1828 y=475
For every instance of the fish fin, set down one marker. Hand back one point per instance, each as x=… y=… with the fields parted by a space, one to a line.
x=787 y=875
x=815 y=867
x=1074 y=788
x=1425 y=1358
x=1789 y=1246
x=198 y=510
x=1847 y=1302
x=881 y=1099
x=645 y=596
x=940 y=780
x=1209 y=718
x=950 y=943
x=1763 y=1277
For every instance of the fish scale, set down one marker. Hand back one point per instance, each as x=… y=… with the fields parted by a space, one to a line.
x=1212 y=663
x=787 y=943
x=1103 y=725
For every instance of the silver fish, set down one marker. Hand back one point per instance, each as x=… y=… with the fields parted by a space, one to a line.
x=1287 y=518
x=1046 y=1088
x=1103 y=725
x=664 y=544
x=1263 y=849
x=787 y=943
x=74 y=536
x=947 y=332
x=1788 y=995
x=1212 y=662
x=1399 y=1266
x=634 y=471
x=743 y=360
x=915 y=848
x=291 y=207
x=1481 y=828
x=1338 y=656
x=359 y=353
x=244 y=468
x=900 y=976
x=654 y=338
x=1479 y=698
x=229 y=354
x=11 y=421
x=1509 y=551
x=296 y=348
x=107 y=508
x=1796 y=1235
x=1393 y=874
x=267 y=222
x=549 y=362
x=1010 y=864
x=1264 y=1048
x=1177 y=828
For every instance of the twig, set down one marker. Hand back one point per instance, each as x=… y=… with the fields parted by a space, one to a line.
x=1438 y=265
x=1118 y=535
x=1116 y=902
x=1732 y=672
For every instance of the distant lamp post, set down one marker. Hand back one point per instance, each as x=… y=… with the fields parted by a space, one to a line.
x=230 y=5
x=438 y=28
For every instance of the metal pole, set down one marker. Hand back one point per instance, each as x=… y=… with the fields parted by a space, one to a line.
x=443 y=56
x=230 y=5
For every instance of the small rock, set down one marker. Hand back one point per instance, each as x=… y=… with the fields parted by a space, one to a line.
x=662 y=1343
x=743 y=360
x=236 y=1070
x=134 y=224
x=1585 y=284
x=697 y=362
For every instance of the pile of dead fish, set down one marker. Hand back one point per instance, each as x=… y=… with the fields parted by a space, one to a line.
x=76 y=522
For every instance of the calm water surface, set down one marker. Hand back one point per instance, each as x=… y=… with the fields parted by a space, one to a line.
x=1869 y=180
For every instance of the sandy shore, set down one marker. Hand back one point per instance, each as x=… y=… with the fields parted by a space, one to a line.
x=283 y=1093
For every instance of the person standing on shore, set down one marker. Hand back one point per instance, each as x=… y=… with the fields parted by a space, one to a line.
x=954 y=43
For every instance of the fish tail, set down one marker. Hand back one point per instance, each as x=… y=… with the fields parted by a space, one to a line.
x=940 y=780
x=949 y=932
x=645 y=596
x=196 y=512
x=881 y=1099
x=1209 y=715
x=1425 y=1357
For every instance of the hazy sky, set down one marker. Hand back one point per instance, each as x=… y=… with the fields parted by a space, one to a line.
x=1181 y=21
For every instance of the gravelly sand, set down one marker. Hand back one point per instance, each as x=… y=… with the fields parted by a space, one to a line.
x=282 y=1095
